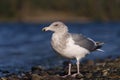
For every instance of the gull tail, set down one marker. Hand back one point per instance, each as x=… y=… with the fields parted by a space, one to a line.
x=99 y=45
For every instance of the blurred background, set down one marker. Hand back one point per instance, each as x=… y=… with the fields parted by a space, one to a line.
x=42 y=10
x=23 y=44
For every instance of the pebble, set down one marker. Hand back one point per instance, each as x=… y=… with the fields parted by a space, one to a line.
x=36 y=77
x=79 y=76
x=88 y=75
x=105 y=72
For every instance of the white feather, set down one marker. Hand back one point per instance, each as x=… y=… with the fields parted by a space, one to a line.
x=100 y=50
x=74 y=51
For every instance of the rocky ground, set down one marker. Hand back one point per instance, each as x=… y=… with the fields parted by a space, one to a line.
x=108 y=69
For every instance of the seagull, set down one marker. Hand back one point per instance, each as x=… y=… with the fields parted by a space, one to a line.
x=71 y=45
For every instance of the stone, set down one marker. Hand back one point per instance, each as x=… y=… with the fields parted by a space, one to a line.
x=36 y=77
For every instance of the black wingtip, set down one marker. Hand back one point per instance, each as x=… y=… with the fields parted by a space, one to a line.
x=99 y=45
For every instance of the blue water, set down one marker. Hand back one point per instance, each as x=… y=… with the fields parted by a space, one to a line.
x=23 y=45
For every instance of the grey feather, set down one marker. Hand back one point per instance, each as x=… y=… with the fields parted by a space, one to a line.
x=84 y=42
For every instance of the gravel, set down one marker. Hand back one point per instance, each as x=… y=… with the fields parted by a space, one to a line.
x=107 y=69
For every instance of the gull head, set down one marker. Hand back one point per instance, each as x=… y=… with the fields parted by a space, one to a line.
x=57 y=27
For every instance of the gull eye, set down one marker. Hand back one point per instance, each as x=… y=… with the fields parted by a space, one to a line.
x=56 y=25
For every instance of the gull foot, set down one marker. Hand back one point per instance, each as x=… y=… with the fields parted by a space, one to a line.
x=66 y=76
x=77 y=75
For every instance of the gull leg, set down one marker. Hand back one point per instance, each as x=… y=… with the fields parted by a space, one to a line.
x=69 y=69
x=78 y=68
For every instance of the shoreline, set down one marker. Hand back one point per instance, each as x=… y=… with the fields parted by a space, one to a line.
x=44 y=19
x=107 y=69
x=48 y=16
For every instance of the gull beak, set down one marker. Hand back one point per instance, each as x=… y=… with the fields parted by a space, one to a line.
x=45 y=29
